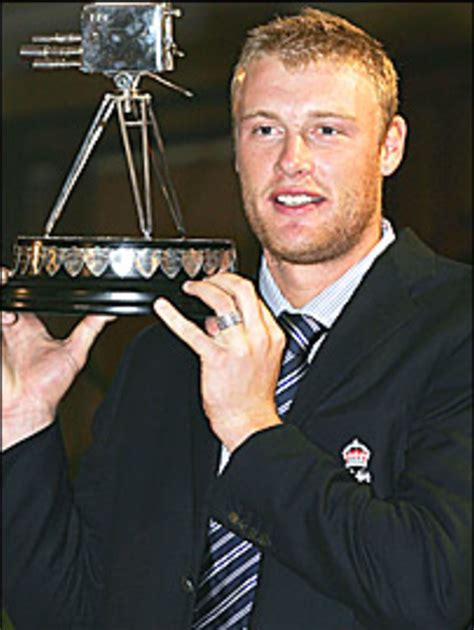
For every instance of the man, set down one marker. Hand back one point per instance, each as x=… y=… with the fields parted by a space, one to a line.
x=209 y=501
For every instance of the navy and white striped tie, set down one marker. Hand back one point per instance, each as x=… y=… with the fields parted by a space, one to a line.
x=229 y=573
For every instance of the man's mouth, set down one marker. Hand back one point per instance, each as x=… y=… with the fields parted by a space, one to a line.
x=296 y=199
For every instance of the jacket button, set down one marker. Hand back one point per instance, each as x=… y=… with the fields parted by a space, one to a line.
x=187 y=584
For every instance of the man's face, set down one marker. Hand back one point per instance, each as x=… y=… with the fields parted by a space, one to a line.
x=308 y=155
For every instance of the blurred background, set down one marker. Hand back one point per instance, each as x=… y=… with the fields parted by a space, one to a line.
x=45 y=115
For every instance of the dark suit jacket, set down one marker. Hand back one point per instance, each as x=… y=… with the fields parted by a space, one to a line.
x=122 y=551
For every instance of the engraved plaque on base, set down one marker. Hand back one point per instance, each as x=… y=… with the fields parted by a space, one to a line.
x=80 y=275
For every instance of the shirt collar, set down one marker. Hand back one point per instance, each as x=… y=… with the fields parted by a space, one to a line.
x=327 y=305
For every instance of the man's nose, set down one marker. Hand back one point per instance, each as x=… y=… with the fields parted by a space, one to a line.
x=296 y=157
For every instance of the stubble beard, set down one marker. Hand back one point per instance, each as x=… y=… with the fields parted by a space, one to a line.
x=333 y=238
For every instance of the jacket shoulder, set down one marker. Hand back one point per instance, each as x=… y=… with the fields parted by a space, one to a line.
x=425 y=272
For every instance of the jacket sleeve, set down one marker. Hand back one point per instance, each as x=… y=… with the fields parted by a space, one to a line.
x=397 y=562
x=53 y=534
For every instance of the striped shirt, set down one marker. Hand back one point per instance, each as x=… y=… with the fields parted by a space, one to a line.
x=329 y=304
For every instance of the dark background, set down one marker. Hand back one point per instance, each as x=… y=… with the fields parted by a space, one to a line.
x=45 y=116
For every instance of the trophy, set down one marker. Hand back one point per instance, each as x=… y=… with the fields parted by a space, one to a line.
x=125 y=41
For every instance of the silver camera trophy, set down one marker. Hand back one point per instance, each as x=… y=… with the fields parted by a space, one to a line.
x=124 y=41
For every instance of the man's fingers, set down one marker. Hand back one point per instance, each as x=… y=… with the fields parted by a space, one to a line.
x=276 y=332
x=5 y=274
x=84 y=334
x=8 y=319
x=211 y=325
x=223 y=304
x=214 y=296
x=186 y=330
x=240 y=294
x=22 y=328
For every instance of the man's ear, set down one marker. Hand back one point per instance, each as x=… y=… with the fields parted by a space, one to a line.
x=393 y=146
x=235 y=141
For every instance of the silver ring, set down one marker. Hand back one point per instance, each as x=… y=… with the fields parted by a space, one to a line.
x=232 y=318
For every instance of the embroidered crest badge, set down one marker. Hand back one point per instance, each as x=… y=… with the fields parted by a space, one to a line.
x=356 y=459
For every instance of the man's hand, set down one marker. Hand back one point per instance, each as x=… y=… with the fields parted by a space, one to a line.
x=240 y=364
x=37 y=370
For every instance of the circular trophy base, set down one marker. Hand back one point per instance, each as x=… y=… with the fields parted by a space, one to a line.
x=107 y=275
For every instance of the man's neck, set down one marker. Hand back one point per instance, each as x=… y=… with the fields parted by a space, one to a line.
x=300 y=283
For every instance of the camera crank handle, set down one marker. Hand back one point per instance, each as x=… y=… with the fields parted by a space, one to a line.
x=169 y=84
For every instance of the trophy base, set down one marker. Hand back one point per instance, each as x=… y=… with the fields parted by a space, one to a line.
x=105 y=275
x=107 y=298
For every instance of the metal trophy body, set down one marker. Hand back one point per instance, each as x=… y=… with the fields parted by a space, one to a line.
x=122 y=276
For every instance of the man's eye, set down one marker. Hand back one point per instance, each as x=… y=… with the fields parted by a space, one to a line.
x=327 y=130
x=264 y=130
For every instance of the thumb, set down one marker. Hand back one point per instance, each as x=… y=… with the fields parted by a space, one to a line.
x=5 y=274
x=83 y=336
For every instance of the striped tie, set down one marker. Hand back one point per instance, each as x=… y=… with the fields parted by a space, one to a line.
x=229 y=573
x=302 y=332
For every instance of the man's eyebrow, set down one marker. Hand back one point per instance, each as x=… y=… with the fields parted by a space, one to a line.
x=316 y=114
x=330 y=114
x=259 y=113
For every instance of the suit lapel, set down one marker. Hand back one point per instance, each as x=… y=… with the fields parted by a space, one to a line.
x=380 y=306
x=205 y=451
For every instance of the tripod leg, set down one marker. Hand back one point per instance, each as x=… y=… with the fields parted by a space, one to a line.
x=146 y=167
x=131 y=170
x=95 y=131
x=162 y=171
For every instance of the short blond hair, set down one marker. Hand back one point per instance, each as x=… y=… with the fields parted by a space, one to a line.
x=314 y=35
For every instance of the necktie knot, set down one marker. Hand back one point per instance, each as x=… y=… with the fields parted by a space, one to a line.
x=302 y=331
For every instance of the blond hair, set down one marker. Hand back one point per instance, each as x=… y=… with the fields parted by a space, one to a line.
x=315 y=35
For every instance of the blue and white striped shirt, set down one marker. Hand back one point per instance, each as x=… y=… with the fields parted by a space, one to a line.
x=329 y=304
